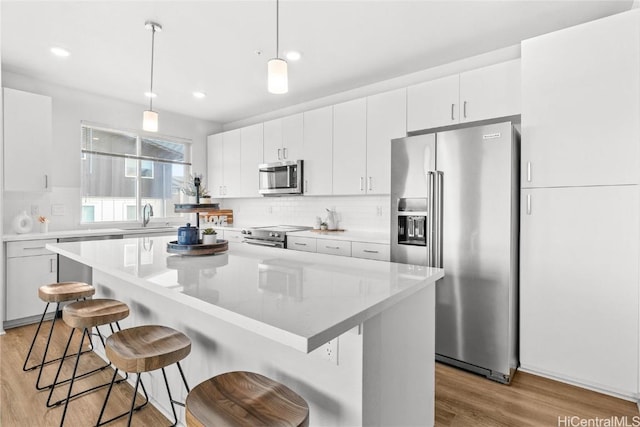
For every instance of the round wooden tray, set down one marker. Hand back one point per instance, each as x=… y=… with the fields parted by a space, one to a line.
x=199 y=249
x=195 y=207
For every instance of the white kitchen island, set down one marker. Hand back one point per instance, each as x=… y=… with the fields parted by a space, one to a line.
x=355 y=338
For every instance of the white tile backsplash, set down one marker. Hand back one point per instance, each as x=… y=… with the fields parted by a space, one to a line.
x=355 y=213
x=66 y=197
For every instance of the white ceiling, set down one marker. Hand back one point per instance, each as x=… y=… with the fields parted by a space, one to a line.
x=210 y=45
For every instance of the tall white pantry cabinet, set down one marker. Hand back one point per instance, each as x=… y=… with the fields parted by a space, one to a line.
x=580 y=205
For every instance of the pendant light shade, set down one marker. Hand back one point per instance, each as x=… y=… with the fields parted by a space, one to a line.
x=277 y=76
x=150 y=121
x=277 y=81
x=150 y=117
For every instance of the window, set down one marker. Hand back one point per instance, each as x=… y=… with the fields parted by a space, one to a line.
x=122 y=171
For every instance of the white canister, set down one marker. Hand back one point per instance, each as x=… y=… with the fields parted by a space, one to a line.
x=22 y=223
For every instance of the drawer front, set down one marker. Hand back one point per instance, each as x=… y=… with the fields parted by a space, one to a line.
x=306 y=244
x=233 y=236
x=28 y=248
x=370 y=251
x=334 y=247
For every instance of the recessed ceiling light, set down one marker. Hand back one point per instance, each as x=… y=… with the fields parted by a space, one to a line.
x=293 y=55
x=150 y=94
x=58 y=51
x=199 y=95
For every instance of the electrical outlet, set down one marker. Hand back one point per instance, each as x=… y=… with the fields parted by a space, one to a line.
x=379 y=210
x=57 y=210
x=329 y=351
x=35 y=210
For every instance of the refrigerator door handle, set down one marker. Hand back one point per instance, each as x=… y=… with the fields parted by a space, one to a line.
x=438 y=218
x=430 y=209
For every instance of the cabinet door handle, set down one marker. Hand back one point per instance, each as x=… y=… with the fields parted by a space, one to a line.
x=528 y=204
x=46 y=181
x=529 y=171
x=464 y=109
x=51 y=265
x=34 y=248
x=305 y=185
x=220 y=190
x=370 y=184
x=284 y=153
x=361 y=184
x=300 y=244
x=369 y=251
x=332 y=247
x=453 y=106
x=279 y=154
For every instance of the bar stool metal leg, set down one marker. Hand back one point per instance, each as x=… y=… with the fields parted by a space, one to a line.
x=133 y=401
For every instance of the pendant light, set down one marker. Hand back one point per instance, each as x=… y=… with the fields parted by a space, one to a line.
x=150 y=117
x=277 y=80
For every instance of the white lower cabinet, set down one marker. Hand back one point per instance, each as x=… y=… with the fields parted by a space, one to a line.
x=29 y=266
x=378 y=251
x=333 y=247
x=579 y=279
x=306 y=244
x=370 y=251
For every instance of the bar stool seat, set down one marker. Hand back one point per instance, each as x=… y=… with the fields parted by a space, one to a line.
x=144 y=349
x=85 y=315
x=235 y=399
x=65 y=291
x=54 y=293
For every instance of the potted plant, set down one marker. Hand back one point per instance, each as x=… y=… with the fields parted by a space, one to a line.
x=205 y=197
x=323 y=226
x=209 y=236
x=189 y=189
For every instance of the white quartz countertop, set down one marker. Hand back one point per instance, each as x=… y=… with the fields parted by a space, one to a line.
x=353 y=236
x=62 y=234
x=299 y=299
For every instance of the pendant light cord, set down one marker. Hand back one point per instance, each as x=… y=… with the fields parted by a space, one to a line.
x=278 y=29
x=153 y=37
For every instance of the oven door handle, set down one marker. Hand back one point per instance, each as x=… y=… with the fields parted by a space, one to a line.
x=262 y=243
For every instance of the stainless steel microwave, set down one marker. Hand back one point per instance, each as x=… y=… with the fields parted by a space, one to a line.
x=280 y=178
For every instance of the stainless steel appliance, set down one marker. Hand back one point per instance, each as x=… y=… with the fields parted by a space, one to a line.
x=274 y=236
x=454 y=204
x=280 y=178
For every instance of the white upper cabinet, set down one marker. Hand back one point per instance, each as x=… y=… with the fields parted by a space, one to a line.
x=28 y=145
x=215 y=164
x=223 y=164
x=350 y=147
x=434 y=103
x=490 y=92
x=317 y=151
x=251 y=156
x=386 y=120
x=292 y=135
x=484 y=93
x=283 y=139
x=581 y=104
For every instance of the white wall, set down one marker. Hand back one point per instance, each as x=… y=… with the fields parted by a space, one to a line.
x=70 y=108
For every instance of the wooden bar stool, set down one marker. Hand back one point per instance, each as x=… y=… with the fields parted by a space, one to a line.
x=244 y=399
x=144 y=349
x=55 y=293
x=86 y=315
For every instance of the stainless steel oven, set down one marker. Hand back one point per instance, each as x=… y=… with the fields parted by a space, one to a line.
x=280 y=178
x=274 y=236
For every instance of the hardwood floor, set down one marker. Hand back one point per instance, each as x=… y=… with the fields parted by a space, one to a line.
x=465 y=399
x=462 y=399
x=21 y=405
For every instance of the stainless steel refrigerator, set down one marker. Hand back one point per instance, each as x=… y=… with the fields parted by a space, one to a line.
x=454 y=204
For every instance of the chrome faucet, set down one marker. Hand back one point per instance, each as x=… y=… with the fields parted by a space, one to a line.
x=146 y=218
